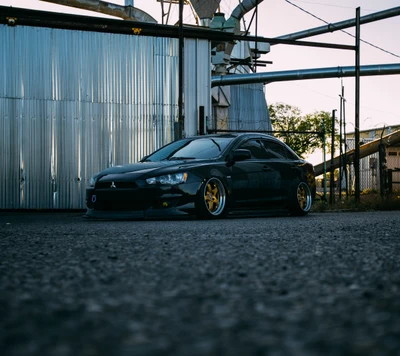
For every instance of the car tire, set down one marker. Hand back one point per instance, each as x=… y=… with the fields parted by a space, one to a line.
x=300 y=200
x=211 y=200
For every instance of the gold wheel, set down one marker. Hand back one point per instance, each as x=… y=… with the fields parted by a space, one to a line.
x=300 y=200
x=304 y=199
x=214 y=198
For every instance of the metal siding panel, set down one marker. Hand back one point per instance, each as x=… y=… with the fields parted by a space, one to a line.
x=197 y=82
x=204 y=77
x=82 y=101
x=9 y=154
x=35 y=155
x=248 y=109
x=190 y=99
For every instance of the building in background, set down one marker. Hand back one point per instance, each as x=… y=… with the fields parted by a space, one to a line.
x=77 y=95
x=370 y=177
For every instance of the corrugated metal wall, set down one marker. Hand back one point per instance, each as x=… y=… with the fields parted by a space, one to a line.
x=74 y=102
x=248 y=109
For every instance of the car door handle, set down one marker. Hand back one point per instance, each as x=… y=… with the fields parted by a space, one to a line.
x=294 y=167
x=267 y=169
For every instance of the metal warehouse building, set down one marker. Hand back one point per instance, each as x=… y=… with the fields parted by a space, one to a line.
x=76 y=97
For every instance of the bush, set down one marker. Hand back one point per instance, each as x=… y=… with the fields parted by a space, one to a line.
x=368 y=202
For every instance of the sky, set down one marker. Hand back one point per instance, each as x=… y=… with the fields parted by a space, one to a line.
x=379 y=95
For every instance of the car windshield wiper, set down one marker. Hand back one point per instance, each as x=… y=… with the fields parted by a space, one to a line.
x=180 y=158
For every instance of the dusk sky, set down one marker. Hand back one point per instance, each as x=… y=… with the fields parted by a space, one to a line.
x=380 y=96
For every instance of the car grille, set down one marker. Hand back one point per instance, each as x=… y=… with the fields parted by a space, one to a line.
x=117 y=185
x=120 y=205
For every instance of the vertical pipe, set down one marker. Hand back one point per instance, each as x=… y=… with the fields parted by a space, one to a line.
x=332 y=170
x=180 y=99
x=357 y=113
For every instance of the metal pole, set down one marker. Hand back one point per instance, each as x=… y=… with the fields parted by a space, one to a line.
x=345 y=146
x=255 y=59
x=324 y=148
x=357 y=113
x=180 y=99
x=332 y=170
x=340 y=145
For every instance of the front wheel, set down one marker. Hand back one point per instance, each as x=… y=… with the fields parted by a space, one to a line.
x=211 y=200
x=301 y=200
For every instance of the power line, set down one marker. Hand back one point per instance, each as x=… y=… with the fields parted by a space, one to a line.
x=348 y=33
x=331 y=5
x=349 y=102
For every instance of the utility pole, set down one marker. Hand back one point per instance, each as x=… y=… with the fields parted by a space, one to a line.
x=341 y=157
x=332 y=170
x=345 y=145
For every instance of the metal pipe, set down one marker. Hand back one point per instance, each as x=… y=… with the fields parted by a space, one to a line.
x=301 y=74
x=341 y=25
x=244 y=7
x=125 y=12
x=233 y=25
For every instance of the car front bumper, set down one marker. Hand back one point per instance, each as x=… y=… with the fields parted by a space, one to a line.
x=141 y=203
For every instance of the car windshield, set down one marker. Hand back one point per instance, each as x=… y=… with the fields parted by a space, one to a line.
x=199 y=148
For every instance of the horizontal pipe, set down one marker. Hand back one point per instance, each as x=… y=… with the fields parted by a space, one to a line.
x=124 y=12
x=301 y=74
x=341 y=25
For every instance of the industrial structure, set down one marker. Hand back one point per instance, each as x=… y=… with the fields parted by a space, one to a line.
x=80 y=93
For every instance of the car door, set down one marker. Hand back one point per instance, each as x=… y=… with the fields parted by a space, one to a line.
x=251 y=178
x=283 y=164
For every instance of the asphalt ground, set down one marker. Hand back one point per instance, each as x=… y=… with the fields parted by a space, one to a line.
x=324 y=284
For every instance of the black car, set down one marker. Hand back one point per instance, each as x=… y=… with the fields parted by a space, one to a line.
x=208 y=176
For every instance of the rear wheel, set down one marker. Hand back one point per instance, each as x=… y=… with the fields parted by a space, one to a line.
x=211 y=200
x=301 y=200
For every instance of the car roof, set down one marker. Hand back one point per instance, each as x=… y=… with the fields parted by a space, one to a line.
x=249 y=134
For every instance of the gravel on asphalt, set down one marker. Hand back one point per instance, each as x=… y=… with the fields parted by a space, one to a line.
x=324 y=284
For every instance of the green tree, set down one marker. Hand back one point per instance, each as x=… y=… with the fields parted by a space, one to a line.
x=299 y=131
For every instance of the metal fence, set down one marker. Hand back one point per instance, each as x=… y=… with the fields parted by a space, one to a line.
x=379 y=173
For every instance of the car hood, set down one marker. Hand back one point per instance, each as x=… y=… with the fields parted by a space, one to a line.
x=145 y=169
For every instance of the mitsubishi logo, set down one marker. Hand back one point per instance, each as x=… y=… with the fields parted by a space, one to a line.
x=113 y=185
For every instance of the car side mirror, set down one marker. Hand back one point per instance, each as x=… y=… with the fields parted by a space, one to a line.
x=240 y=154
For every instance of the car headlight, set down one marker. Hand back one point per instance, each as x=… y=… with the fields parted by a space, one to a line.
x=93 y=180
x=171 y=179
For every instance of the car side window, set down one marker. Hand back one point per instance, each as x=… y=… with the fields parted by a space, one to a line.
x=255 y=148
x=275 y=150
